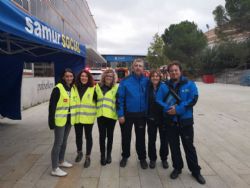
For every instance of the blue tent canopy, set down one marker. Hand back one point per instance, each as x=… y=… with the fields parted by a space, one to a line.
x=24 y=38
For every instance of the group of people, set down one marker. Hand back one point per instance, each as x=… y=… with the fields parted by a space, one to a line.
x=79 y=102
x=139 y=101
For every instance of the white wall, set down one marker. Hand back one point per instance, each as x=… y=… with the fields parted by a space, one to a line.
x=36 y=90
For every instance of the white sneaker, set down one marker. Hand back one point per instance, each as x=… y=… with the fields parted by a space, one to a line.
x=65 y=164
x=58 y=172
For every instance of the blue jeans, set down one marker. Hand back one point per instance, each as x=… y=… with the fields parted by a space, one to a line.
x=60 y=143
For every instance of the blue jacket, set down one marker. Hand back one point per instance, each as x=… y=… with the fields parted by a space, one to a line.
x=132 y=96
x=188 y=93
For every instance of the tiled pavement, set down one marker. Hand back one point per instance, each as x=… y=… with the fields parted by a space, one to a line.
x=222 y=139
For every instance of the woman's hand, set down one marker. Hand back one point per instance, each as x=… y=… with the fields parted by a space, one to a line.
x=122 y=120
x=171 y=111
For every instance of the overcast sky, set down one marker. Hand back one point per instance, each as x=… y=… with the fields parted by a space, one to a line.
x=127 y=26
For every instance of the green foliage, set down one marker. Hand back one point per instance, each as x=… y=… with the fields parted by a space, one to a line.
x=183 y=42
x=224 y=55
x=156 y=56
x=231 y=19
x=235 y=14
x=220 y=16
x=239 y=13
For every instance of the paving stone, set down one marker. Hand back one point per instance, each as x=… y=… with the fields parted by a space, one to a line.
x=109 y=182
x=130 y=182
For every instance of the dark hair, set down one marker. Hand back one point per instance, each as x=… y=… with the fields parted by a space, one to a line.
x=90 y=82
x=63 y=73
x=175 y=63
x=152 y=72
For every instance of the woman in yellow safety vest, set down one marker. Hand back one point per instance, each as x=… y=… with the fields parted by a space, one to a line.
x=106 y=112
x=86 y=114
x=62 y=114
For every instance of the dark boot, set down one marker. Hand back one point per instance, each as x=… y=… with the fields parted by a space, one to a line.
x=175 y=173
x=152 y=164
x=199 y=178
x=123 y=162
x=144 y=164
x=79 y=156
x=109 y=158
x=165 y=164
x=87 y=161
x=103 y=160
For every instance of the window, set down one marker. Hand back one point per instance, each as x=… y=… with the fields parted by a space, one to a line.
x=27 y=66
x=25 y=4
x=20 y=2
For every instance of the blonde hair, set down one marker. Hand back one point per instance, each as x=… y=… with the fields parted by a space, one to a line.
x=105 y=73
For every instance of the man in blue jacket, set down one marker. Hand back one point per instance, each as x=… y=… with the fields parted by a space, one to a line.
x=180 y=120
x=132 y=109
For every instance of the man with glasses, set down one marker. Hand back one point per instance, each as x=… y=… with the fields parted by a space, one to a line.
x=180 y=120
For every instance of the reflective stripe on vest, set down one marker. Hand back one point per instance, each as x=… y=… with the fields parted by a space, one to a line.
x=65 y=106
x=106 y=105
x=86 y=107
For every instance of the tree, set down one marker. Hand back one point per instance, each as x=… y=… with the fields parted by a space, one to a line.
x=222 y=21
x=155 y=55
x=223 y=56
x=239 y=13
x=220 y=16
x=235 y=15
x=184 y=42
x=209 y=61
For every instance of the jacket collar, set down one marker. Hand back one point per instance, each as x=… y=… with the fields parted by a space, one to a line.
x=151 y=85
x=182 y=81
x=137 y=77
x=67 y=88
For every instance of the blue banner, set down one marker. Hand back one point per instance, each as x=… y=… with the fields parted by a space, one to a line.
x=121 y=58
x=18 y=23
x=24 y=38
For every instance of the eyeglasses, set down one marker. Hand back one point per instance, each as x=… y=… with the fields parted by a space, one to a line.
x=174 y=70
x=109 y=76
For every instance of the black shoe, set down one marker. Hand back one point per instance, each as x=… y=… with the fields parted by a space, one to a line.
x=103 y=161
x=87 y=162
x=123 y=162
x=144 y=164
x=152 y=164
x=175 y=174
x=165 y=164
x=109 y=159
x=79 y=157
x=199 y=178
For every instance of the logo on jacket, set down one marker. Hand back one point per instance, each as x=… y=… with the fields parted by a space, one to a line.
x=65 y=100
x=185 y=90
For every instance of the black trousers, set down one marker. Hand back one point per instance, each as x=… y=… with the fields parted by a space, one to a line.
x=88 y=136
x=126 y=129
x=153 y=126
x=106 y=130
x=175 y=132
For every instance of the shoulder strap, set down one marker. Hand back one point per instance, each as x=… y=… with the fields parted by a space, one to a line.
x=172 y=92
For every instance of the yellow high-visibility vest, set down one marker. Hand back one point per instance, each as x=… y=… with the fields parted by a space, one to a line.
x=65 y=105
x=86 y=107
x=106 y=104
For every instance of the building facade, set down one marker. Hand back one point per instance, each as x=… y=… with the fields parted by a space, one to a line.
x=71 y=17
x=120 y=60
